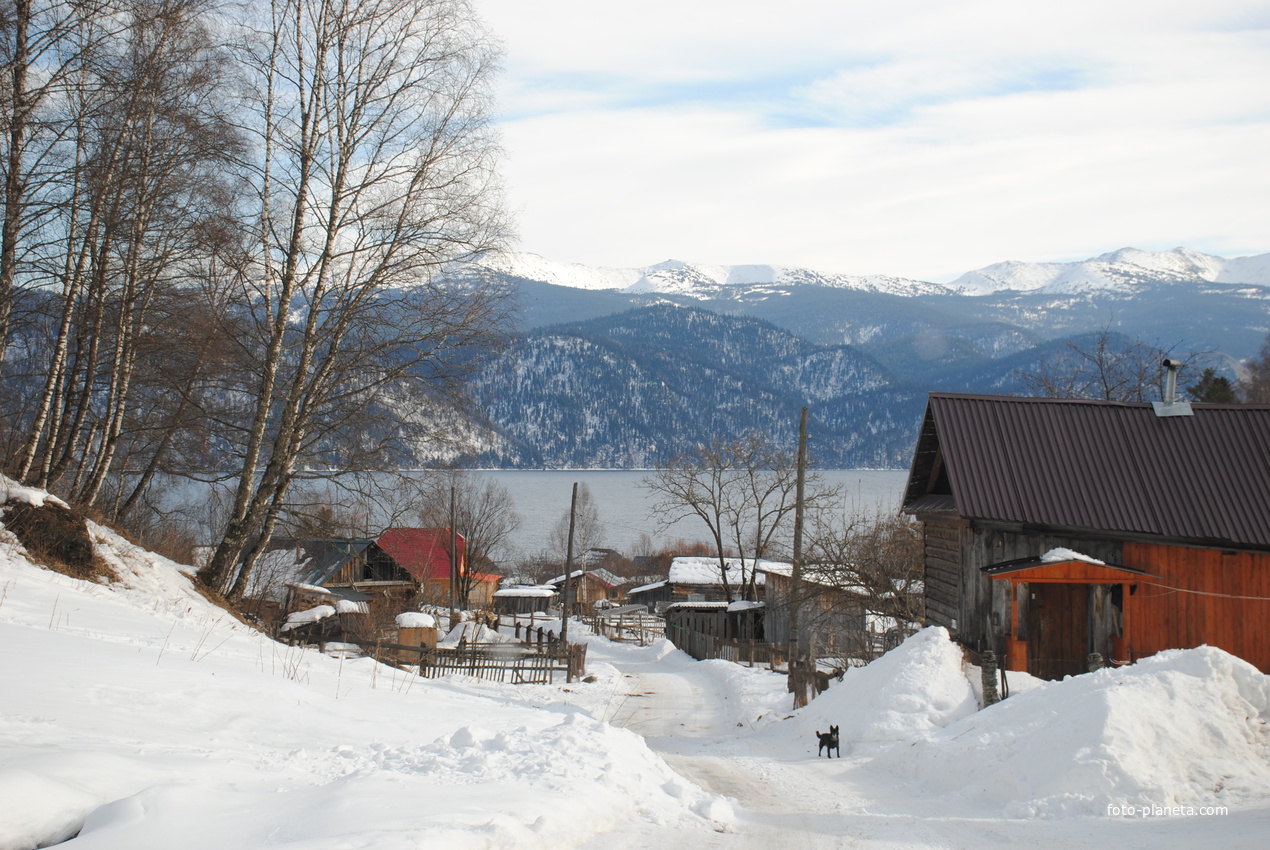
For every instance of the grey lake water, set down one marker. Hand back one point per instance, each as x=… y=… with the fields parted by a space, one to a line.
x=626 y=508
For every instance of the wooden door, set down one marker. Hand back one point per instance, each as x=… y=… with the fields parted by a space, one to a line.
x=1060 y=630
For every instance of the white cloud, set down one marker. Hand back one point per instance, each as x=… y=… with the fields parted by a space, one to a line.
x=915 y=138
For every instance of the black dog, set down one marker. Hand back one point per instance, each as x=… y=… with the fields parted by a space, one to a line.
x=829 y=741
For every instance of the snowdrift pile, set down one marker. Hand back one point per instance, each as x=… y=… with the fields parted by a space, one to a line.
x=1184 y=728
x=914 y=689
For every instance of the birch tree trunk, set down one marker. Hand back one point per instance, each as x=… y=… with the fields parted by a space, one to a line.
x=377 y=172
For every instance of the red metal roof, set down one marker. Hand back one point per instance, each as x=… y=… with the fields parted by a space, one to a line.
x=423 y=552
x=1107 y=466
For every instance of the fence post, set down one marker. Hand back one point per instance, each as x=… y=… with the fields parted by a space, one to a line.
x=988 y=676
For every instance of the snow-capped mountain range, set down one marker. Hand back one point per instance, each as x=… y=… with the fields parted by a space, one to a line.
x=617 y=368
x=1119 y=271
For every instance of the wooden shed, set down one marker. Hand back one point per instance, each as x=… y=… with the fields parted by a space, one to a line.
x=525 y=599
x=699 y=627
x=1058 y=528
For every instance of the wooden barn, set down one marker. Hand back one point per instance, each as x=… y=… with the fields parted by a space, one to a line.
x=694 y=578
x=1056 y=528
x=654 y=597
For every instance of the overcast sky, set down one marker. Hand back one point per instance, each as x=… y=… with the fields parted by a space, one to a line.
x=920 y=138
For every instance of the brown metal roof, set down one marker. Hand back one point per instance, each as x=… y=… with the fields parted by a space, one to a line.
x=1107 y=466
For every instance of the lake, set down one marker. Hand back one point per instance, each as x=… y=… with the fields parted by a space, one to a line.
x=626 y=509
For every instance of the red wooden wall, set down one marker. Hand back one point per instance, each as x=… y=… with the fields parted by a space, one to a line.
x=1200 y=596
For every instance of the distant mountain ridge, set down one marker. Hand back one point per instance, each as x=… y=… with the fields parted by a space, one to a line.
x=1112 y=271
x=620 y=368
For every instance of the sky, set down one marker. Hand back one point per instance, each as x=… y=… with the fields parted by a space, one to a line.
x=917 y=138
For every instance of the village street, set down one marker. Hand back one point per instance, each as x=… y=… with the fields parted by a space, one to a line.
x=783 y=795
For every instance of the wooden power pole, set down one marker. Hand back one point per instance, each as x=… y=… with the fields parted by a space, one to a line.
x=567 y=601
x=799 y=675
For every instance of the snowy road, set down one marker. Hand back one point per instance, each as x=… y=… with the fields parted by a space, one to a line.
x=783 y=795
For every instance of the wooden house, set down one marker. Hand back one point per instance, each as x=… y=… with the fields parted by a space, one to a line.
x=695 y=578
x=394 y=570
x=589 y=586
x=654 y=596
x=834 y=622
x=525 y=599
x=1054 y=529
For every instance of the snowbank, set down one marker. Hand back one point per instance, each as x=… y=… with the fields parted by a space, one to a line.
x=914 y=689
x=12 y=491
x=472 y=633
x=1182 y=728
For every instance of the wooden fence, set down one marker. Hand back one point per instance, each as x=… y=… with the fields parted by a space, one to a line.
x=518 y=664
x=749 y=652
x=628 y=624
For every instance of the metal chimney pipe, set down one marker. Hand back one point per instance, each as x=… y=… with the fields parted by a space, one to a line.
x=1171 y=406
x=1170 y=380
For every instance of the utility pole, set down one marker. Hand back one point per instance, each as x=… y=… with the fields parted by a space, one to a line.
x=798 y=679
x=454 y=562
x=568 y=570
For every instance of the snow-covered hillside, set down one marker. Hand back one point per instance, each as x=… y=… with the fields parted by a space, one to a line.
x=137 y=715
x=1117 y=271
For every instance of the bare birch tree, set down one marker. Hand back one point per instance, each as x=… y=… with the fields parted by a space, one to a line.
x=1254 y=382
x=44 y=45
x=145 y=146
x=375 y=169
x=588 y=530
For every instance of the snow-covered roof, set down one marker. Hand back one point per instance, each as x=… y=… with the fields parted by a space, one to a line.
x=525 y=591
x=698 y=570
x=721 y=606
x=351 y=606
x=646 y=587
x=309 y=615
x=599 y=574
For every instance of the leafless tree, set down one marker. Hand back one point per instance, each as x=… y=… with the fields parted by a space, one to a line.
x=478 y=508
x=588 y=530
x=375 y=169
x=45 y=46
x=743 y=490
x=1254 y=383
x=878 y=555
x=1107 y=367
x=144 y=149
